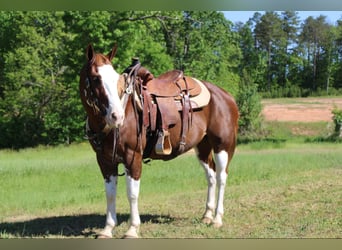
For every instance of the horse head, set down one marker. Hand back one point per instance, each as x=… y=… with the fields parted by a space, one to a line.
x=99 y=87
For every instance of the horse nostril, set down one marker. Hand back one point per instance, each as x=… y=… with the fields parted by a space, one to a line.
x=116 y=118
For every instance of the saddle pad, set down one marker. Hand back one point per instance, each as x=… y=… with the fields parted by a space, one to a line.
x=203 y=98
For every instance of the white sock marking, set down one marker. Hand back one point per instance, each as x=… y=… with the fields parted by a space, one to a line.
x=221 y=160
x=133 y=188
x=211 y=180
x=111 y=219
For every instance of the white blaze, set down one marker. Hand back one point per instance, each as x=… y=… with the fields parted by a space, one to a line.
x=115 y=112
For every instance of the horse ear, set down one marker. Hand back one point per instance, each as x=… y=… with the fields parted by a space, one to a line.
x=90 y=53
x=112 y=53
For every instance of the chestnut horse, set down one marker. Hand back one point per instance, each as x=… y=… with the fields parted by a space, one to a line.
x=115 y=131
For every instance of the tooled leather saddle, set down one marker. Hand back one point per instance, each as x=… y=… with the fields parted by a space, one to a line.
x=168 y=99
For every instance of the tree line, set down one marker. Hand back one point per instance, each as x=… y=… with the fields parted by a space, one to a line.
x=293 y=58
x=41 y=54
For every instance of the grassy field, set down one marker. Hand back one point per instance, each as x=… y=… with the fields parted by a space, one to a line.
x=275 y=190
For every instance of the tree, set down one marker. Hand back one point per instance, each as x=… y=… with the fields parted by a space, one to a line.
x=316 y=39
x=33 y=78
x=209 y=49
x=249 y=103
x=252 y=62
x=289 y=26
x=337 y=74
x=268 y=33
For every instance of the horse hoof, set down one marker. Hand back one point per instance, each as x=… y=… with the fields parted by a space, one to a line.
x=207 y=220
x=131 y=233
x=217 y=225
x=126 y=236
x=104 y=235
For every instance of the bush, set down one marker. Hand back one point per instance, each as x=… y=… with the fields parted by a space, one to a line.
x=249 y=103
x=337 y=118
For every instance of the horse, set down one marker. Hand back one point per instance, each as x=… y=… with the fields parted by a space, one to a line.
x=116 y=132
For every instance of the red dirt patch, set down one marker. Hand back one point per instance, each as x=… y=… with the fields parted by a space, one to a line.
x=300 y=109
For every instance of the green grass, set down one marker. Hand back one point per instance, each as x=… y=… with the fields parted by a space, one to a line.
x=298 y=130
x=275 y=190
x=43 y=179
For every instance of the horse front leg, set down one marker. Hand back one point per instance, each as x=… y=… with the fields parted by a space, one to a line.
x=133 y=188
x=111 y=218
x=133 y=174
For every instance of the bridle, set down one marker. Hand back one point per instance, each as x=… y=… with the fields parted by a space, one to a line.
x=93 y=102
x=130 y=86
x=129 y=89
x=91 y=99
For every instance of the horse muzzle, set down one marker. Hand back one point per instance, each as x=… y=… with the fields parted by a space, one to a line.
x=114 y=119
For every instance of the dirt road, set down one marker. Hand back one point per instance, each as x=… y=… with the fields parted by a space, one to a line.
x=300 y=109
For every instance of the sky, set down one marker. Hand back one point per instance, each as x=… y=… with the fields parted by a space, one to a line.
x=243 y=16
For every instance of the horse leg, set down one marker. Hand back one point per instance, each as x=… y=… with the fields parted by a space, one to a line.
x=210 y=205
x=111 y=219
x=110 y=183
x=205 y=158
x=133 y=187
x=221 y=160
x=216 y=173
x=133 y=174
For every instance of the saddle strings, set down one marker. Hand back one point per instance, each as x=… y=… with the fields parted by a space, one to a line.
x=132 y=78
x=130 y=90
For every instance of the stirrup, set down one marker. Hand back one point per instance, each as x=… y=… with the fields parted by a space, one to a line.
x=163 y=146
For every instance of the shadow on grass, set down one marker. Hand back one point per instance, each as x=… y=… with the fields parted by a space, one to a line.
x=69 y=226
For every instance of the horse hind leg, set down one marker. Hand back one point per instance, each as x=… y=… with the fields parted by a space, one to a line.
x=221 y=160
x=205 y=158
x=216 y=174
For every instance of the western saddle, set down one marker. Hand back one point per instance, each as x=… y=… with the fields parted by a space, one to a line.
x=166 y=100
